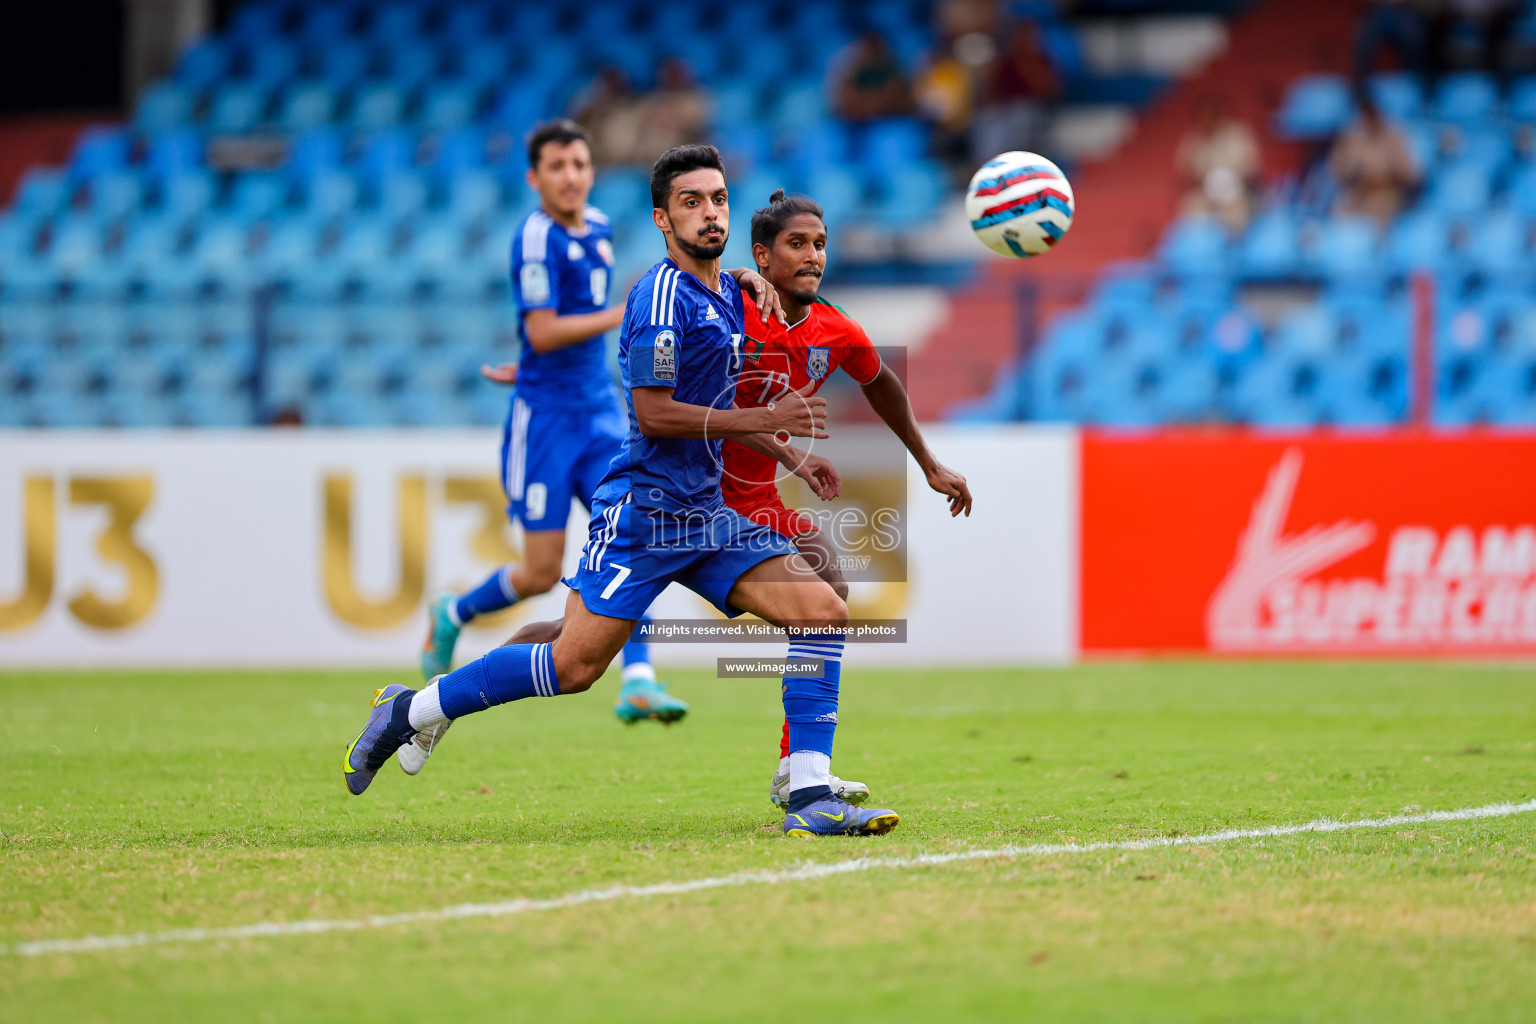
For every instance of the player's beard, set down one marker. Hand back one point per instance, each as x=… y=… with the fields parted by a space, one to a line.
x=704 y=251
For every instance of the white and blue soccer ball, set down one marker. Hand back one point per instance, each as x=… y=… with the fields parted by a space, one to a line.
x=1019 y=204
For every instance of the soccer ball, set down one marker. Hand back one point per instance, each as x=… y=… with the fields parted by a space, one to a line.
x=1019 y=204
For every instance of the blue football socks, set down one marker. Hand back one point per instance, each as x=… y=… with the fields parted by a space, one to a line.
x=494 y=594
x=503 y=675
x=810 y=706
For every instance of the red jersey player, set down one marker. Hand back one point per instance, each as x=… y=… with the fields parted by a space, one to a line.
x=789 y=243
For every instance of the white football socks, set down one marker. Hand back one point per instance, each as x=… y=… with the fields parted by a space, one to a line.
x=807 y=768
x=639 y=670
x=427 y=708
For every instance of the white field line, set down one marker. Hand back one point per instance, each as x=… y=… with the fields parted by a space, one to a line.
x=806 y=872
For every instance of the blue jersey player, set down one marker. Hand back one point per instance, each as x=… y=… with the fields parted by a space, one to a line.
x=659 y=517
x=566 y=421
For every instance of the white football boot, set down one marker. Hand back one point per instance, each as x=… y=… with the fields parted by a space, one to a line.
x=843 y=789
x=413 y=754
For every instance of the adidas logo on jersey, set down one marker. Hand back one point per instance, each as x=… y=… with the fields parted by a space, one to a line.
x=710 y=313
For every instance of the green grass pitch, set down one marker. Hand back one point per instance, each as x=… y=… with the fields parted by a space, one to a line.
x=140 y=802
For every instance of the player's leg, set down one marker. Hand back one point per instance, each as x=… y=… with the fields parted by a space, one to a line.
x=536 y=473
x=821 y=556
x=642 y=696
x=587 y=644
x=788 y=593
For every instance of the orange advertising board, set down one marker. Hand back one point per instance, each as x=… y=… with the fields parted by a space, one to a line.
x=1314 y=544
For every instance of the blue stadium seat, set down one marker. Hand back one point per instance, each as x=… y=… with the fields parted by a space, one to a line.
x=187 y=193
x=798 y=106
x=203 y=64
x=1194 y=246
x=386 y=152
x=100 y=150
x=306 y=105
x=1420 y=241
x=257 y=194
x=1521 y=105
x=1348 y=247
x=1315 y=106
x=1310 y=330
x=377 y=105
x=112 y=195
x=163 y=105
x=910 y=194
x=1498 y=242
x=42 y=192
x=329 y=24
x=270 y=64
x=473 y=194
x=1398 y=94
x=1271 y=247
x=1466 y=96
x=402 y=194
x=342 y=64
x=175 y=151
x=1460 y=188
x=449 y=105
x=838 y=192
x=237 y=108
x=894 y=142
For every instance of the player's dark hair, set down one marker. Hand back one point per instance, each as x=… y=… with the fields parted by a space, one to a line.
x=562 y=131
x=771 y=219
x=677 y=161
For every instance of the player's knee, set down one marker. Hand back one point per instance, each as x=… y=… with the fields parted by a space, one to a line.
x=541 y=579
x=576 y=674
x=840 y=588
x=829 y=609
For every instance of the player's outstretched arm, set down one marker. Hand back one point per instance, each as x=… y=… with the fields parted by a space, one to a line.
x=658 y=414
x=888 y=397
x=548 y=331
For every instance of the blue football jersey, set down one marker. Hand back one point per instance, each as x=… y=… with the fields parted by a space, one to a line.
x=552 y=268
x=677 y=334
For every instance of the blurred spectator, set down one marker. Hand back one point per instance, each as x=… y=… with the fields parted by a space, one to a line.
x=1021 y=83
x=946 y=96
x=957 y=18
x=1373 y=165
x=868 y=82
x=1218 y=162
x=672 y=114
x=1398 y=25
x=1467 y=32
x=609 y=109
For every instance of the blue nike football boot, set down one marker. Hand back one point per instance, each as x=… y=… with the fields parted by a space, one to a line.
x=833 y=817
x=389 y=725
x=641 y=699
x=442 y=635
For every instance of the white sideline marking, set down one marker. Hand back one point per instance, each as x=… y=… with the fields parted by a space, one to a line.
x=96 y=943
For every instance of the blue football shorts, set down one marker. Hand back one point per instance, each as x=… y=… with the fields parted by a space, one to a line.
x=549 y=456
x=632 y=553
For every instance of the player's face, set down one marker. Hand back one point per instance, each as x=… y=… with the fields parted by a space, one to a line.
x=797 y=259
x=563 y=176
x=698 y=213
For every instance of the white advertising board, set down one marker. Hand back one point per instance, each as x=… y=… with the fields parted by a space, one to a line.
x=315 y=548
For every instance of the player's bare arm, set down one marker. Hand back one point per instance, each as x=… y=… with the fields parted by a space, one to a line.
x=819 y=474
x=548 y=331
x=888 y=398
x=660 y=415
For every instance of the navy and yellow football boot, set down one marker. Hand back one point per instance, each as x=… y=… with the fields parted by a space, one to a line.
x=388 y=726
x=833 y=817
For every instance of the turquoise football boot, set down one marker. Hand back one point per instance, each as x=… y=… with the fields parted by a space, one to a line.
x=834 y=817
x=442 y=635
x=641 y=699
